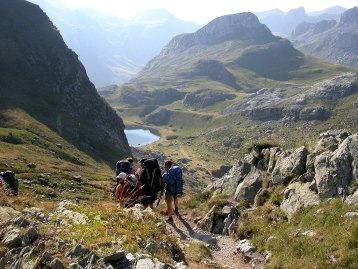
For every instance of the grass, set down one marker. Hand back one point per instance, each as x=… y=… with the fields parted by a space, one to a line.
x=332 y=247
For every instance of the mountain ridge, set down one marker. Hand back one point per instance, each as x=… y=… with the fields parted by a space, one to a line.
x=330 y=41
x=43 y=77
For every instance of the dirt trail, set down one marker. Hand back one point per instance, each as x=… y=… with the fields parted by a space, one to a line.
x=223 y=248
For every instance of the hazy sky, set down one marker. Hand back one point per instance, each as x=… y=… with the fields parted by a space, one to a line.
x=200 y=11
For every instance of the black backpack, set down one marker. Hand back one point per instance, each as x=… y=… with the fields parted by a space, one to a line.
x=154 y=175
x=11 y=181
x=123 y=166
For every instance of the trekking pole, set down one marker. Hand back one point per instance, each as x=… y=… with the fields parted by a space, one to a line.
x=160 y=197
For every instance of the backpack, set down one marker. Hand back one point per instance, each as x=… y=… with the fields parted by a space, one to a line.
x=175 y=180
x=154 y=178
x=11 y=181
x=123 y=166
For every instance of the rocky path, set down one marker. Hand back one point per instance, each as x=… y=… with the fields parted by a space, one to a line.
x=223 y=248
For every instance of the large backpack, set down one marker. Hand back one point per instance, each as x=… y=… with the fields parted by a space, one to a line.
x=175 y=180
x=11 y=181
x=153 y=174
x=123 y=166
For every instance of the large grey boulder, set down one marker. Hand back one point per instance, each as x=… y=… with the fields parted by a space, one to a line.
x=290 y=167
x=298 y=195
x=12 y=238
x=333 y=171
x=249 y=187
x=207 y=222
x=228 y=183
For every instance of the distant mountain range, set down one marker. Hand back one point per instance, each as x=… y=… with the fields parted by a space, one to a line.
x=114 y=50
x=283 y=23
x=329 y=40
x=233 y=53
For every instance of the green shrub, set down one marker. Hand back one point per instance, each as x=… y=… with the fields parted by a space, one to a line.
x=260 y=145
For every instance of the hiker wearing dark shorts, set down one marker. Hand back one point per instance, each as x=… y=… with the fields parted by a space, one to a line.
x=152 y=181
x=173 y=179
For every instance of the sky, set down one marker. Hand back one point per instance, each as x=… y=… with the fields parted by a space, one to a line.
x=200 y=11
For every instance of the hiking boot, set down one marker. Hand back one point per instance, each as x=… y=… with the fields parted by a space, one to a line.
x=177 y=211
x=170 y=219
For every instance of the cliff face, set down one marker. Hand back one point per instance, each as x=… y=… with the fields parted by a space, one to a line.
x=39 y=74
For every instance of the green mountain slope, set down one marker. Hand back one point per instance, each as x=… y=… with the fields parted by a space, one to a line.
x=196 y=77
x=40 y=75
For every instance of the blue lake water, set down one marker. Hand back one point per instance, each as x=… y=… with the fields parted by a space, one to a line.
x=140 y=137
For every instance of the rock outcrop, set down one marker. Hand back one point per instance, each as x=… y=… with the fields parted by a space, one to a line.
x=295 y=103
x=42 y=76
x=330 y=171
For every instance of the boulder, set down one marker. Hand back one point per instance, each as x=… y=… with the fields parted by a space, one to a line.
x=237 y=173
x=290 y=167
x=89 y=260
x=230 y=222
x=22 y=221
x=208 y=221
x=12 y=238
x=351 y=214
x=315 y=113
x=330 y=140
x=247 y=249
x=333 y=172
x=76 y=252
x=145 y=263
x=32 y=233
x=115 y=257
x=56 y=264
x=274 y=154
x=298 y=195
x=352 y=199
x=68 y=216
x=249 y=187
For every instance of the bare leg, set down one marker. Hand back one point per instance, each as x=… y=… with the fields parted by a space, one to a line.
x=176 y=204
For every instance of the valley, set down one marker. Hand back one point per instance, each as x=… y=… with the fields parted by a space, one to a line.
x=266 y=137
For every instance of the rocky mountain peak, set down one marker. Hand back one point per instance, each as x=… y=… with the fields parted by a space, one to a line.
x=241 y=26
x=350 y=16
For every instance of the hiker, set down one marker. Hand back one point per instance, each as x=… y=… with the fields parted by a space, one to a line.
x=128 y=189
x=173 y=179
x=151 y=178
x=141 y=168
x=130 y=160
x=123 y=166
